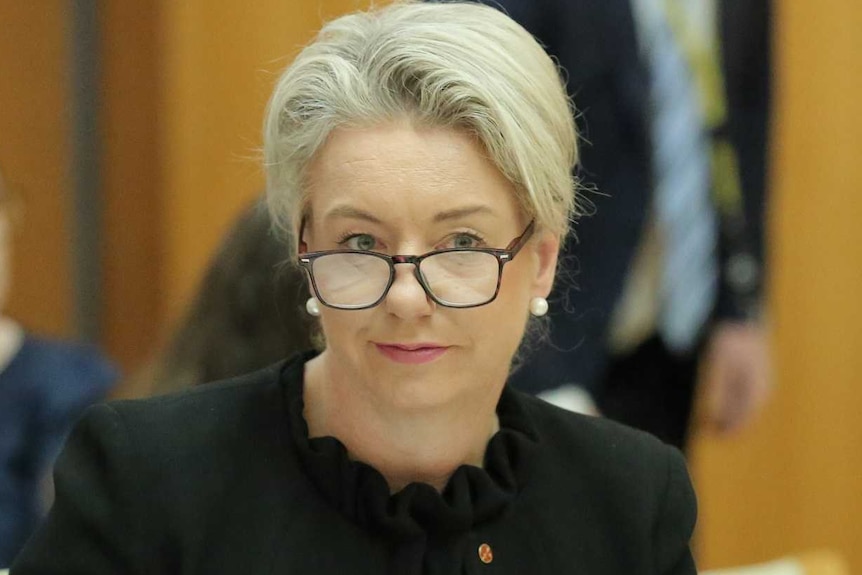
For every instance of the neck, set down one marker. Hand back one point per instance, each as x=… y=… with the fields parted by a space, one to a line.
x=422 y=445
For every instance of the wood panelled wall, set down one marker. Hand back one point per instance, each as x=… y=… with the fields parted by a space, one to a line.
x=794 y=480
x=185 y=84
x=34 y=155
x=133 y=157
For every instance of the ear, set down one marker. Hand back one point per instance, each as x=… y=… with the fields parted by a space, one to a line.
x=301 y=244
x=546 y=248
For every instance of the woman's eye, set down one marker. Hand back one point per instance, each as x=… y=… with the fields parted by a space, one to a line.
x=465 y=241
x=363 y=242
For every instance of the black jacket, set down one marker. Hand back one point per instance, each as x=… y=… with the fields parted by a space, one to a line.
x=223 y=479
x=595 y=43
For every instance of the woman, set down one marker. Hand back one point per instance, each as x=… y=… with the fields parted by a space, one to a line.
x=423 y=153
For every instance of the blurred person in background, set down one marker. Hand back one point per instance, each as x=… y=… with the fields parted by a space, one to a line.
x=673 y=104
x=248 y=312
x=44 y=386
x=420 y=158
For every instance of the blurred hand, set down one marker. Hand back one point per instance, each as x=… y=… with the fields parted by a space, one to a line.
x=571 y=397
x=736 y=377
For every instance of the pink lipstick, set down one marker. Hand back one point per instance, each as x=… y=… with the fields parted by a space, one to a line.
x=414 y=353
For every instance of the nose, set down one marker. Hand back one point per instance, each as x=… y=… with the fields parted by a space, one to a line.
x=407 y=298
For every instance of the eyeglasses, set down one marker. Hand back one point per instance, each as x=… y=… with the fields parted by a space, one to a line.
x=452 y=277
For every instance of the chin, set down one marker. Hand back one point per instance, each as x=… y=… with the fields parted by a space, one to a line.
x=408 y=386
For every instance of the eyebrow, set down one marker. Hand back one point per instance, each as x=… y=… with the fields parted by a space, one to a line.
x=353 y=213
x=345 y=211
x=461 y=213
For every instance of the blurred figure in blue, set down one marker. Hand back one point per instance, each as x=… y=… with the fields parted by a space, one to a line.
x=673 y=103
x=44 y=386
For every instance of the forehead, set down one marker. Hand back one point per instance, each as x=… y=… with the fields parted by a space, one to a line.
x=399 y=171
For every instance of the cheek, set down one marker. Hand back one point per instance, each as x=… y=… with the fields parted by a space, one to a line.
x=497 y=329
x=515 y=287
x=505 y=319
x=341 y=328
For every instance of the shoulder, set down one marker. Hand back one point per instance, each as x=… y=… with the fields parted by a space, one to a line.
x=184 y=443
x=40 y=355
x=635 y=472
x=219 y=415
x=61 y=378
x=209 y=462
x=61 y=362
x=604 y=451
x=572 y=432
x=207 y=435
x=598 y=478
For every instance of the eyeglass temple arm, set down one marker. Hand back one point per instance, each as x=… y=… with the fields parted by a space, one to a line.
x=515 y=246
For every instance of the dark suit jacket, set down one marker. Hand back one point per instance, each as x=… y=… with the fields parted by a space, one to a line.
x=595 y=43
x=216 y=480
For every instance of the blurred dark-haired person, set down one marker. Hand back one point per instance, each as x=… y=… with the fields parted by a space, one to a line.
x=419 y=156
x=44 y=386
x=248 y=311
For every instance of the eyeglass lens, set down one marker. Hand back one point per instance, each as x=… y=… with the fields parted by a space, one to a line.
x=459 y=278
x=350 y=280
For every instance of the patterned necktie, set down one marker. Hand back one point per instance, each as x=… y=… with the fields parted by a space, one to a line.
x=683 y=205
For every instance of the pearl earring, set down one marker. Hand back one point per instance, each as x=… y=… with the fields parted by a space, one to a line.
x=538 y=306
x=312 y=306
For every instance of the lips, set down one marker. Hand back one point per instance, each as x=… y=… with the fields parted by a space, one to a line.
x=411 y=353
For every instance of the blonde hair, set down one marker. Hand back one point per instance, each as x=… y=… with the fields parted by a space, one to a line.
x=455 y=64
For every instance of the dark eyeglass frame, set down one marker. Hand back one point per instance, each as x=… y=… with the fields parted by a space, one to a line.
x=306 y=261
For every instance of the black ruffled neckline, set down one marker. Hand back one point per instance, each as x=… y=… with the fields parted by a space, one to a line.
x=472 y=496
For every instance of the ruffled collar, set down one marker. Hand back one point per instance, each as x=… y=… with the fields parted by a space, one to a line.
x=472 y=496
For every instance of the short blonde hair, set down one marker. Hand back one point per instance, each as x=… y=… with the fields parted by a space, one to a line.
x=455 y=64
